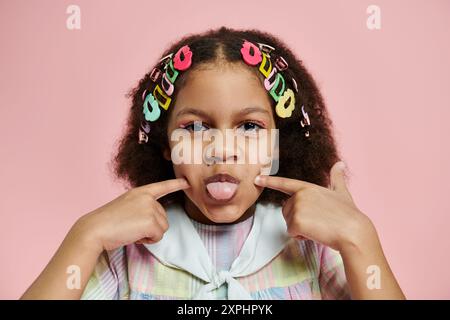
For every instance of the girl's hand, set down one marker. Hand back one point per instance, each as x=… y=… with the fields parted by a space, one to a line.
x=325 y=215
x=135 y=216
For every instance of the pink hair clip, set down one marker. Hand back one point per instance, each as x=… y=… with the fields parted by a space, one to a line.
x=183 y=58
x=145 y=126
x=281 y=63
x=155 y=74
x=251 y=53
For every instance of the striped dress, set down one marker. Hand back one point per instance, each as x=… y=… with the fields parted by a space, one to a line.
x=304 y=269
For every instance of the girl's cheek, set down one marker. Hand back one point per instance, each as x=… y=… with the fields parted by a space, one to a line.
x=180 y=171
x=188 y=172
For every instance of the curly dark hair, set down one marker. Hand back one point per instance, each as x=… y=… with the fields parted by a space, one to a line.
x=305 y=158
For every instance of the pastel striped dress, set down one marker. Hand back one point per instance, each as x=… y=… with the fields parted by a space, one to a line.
x=304 y=269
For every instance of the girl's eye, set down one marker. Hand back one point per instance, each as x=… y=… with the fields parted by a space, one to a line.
x=195 y=126
x=250 y=126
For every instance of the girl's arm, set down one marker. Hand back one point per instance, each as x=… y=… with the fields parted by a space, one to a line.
x=329 y=216
x=77 y=250
x=366 y=268
x=135 y=216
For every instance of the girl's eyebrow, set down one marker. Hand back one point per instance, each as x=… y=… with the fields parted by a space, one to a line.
x=203 y=114
x=249 y=110
x=193 y=111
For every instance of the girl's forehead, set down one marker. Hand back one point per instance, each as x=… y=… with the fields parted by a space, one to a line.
x=224 y=88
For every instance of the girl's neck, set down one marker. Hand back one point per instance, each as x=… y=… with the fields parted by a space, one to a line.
x=194 y=213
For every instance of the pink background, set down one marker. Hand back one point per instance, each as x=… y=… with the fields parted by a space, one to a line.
x=63 y=107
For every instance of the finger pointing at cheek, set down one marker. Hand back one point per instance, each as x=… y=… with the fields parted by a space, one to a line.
x=285 y=185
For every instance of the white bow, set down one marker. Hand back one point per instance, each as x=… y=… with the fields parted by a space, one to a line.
x=182 y=248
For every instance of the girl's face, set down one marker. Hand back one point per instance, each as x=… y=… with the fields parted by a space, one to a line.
x=221 y=98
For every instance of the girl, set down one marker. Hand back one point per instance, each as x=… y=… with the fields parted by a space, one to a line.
x=219 y=229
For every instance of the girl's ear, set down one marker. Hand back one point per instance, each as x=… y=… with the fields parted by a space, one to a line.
x=166 y=154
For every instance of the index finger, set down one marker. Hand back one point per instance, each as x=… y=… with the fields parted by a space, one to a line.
x=286 y=185
x=160 y=189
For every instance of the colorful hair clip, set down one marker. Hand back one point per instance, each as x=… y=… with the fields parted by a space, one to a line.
x=171 y=73
x=167 y=85
x=183 y=58
x=171 y=65
x=281 y=63
x=145 y=126
x=294 y=83
x=306 y=117
x=265 y=48
x=274 y=81
x=269 y=81
x=278 y=89
x=155 y=74
x=266 y=65
x=308 y=122
x=154 y=114
x=165 y=59
x=163 y=99
x=251 y=53
x=254 y=55
x=143 y=138
x=286 y=104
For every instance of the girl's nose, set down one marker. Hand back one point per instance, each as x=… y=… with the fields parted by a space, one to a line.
x=226 y=152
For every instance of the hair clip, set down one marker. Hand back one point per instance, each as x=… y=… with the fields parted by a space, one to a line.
x=155 y=112
x=143 y=138
x=183 y=58
x=265 y=48
x=294 y=84
x=286 y=104
x=269 y=81
x=305 y=117
x=165 y=59
x=160 y=97
x=274 y=81
x=145 y=126
x=167 y=86
x=251 y=53
x=281 y=63
x=155 y=74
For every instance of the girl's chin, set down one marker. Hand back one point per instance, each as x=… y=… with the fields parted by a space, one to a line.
x=224 y=221
x=223 y=213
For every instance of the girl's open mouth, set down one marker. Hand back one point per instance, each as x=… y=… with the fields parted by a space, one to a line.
x=221 y=187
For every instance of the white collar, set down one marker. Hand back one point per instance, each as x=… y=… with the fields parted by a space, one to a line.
x=182 y=248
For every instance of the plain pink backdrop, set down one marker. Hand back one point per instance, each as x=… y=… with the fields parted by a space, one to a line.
x=63 y=107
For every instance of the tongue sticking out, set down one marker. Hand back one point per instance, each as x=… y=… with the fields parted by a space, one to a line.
x=221 y=190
